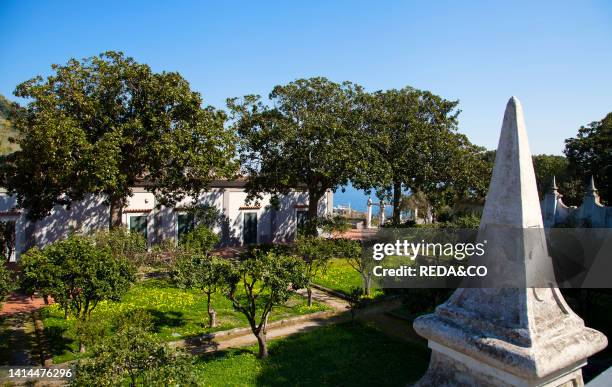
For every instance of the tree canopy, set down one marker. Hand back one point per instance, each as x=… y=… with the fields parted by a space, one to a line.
x=304 y=138
x=590 y=154
x=102 y=124
x=413 y=145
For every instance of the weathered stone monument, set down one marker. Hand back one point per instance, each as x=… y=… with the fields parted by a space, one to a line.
x=510 y=336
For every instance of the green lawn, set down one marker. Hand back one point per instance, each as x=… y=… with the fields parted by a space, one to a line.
x=347 y=355
x=177 y=314
x=341 y=277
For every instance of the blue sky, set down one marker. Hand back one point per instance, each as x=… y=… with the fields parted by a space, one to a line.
x=555 y=56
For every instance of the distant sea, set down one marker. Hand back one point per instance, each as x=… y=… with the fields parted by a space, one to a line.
x=358 y=199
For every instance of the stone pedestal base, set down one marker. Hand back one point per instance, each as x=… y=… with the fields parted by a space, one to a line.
x=449 y=368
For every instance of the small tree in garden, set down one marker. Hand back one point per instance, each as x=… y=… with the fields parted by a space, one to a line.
x=132 y=353
x=41 y=274
x=200 y=240
x=266 y=279
x=352 y=251
x=355 y=301
x=83 y=275
x=207 y=273
x=316 y=253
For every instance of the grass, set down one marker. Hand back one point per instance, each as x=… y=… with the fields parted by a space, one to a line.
x=345 y=354
x=177 y=314
x=341 y=277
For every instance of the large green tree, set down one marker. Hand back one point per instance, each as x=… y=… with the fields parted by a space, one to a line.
x=101 y=124
x=590 y=154
x=304 y=138
x=570 y=185
x=413 y=145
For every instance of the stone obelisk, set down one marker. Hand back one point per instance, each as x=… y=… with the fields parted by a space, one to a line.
x=510 y=336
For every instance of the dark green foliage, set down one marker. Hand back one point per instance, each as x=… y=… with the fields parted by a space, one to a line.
x=201 y=240
x=7 y=239
x=413 y=145
x=133 y=355
x=77 y=274
x=205 y=215
x=122 y=244
x=40 y=273
x=590 y=154
x=334 y=224
x=267 y=280
x=467 y=221
x=355 y=300
x=570 y=185
x=6 y=282
x=305 y=138
x=102 y=124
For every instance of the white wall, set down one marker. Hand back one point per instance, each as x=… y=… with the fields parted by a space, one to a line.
x=91 y=214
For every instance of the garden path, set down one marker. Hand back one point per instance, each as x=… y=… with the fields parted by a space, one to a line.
x=21 y=340
x=19 y=303
x=340 y=307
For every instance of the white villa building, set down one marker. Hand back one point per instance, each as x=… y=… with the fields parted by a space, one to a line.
x=243 y=223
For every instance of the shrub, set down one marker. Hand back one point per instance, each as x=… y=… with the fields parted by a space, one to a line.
x=201 y=240
x=335 y=224
x=123 y=244
x=134 y=355
x=6 y=282
x=77 y=273
x=468 y=221
x=164 y=254
x=40 y=274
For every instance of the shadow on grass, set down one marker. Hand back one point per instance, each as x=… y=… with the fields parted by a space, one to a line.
x=58 y=343
x=334 y=355
x=169 y=319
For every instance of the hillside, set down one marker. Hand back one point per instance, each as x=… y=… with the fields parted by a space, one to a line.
x=6 y=128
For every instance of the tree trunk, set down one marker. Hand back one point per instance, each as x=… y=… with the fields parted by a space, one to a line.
x=212 y=315
x=116 y=211
x=367 y=284
x=309 y=291
x=313 y=211
x=397 y=196
x=263 y=345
